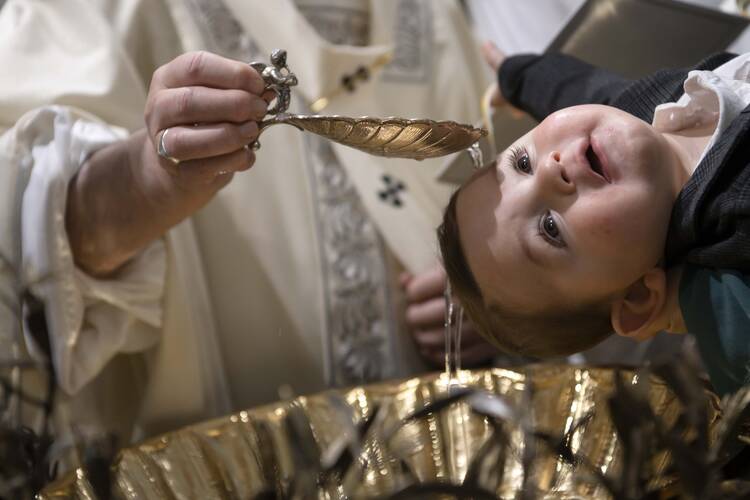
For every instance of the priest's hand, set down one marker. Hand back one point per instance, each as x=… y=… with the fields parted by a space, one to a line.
x=425 y=317
x=201 y=112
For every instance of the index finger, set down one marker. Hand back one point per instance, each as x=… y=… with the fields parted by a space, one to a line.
x=209 y=70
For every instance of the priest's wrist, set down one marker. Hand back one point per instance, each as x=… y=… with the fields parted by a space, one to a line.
x=120 y=201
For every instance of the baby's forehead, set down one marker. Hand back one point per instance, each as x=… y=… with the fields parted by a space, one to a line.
x=480 y=172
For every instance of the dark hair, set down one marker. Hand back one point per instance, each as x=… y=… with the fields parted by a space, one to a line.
x=553 y=333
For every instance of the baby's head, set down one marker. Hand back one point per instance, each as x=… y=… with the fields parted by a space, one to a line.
x=560 y=241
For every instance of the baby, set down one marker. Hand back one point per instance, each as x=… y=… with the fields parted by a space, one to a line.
x=626 y=214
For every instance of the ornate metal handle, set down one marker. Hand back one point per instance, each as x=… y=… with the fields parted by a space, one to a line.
x=278 y=78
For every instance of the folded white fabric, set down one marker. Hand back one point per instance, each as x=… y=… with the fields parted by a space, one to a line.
x=47 y=147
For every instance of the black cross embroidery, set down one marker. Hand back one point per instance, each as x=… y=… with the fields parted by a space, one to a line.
x=390 y=193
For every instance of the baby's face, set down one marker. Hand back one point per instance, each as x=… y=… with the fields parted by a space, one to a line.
x=573 y=212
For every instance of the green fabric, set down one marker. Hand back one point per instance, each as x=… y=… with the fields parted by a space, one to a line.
x=715 y=305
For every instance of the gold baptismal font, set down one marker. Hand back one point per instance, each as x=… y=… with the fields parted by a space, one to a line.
x=254 y=453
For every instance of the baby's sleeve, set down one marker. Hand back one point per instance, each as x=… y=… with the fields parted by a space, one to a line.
x=715 y=305
x=543 y=84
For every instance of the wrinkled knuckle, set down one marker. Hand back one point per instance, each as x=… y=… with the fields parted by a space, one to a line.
x=184 y=101
x=195 y=63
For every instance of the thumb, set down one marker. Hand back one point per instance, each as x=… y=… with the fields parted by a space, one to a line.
x=492 y=55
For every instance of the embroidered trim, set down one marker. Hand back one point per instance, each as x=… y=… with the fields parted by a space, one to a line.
x=413 y=39
x=338 y=25
x=361 y=330
x=222 y=32
x=359 y=337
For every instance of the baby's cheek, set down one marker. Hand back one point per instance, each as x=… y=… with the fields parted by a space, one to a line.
x=612 y=232
x=603 y=225
x=594 y=220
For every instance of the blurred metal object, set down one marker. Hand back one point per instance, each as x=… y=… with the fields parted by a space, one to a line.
x=253 y=452
x=390 y=137
x=635 y=38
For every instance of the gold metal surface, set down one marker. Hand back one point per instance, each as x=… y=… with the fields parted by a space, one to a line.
x=240 y=455
x=390 y=137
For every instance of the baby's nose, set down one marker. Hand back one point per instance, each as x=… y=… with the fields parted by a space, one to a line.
x=555 y=174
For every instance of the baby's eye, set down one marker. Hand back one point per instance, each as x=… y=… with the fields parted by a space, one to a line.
x=549 y=230
x=523 y=163
x=519 y=160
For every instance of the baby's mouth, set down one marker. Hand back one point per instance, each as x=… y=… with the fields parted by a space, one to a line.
x=595 y=163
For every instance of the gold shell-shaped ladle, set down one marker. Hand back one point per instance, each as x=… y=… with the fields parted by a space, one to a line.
x=390 y=137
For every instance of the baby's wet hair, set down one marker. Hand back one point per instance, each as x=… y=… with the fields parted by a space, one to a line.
x=553 y=333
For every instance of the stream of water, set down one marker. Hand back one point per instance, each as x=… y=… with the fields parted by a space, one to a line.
x=454 y=313
x=457 y=421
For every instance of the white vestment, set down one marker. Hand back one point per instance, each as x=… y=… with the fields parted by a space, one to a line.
x=288 y=277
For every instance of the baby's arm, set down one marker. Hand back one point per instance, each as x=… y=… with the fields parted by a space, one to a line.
x=543 y=84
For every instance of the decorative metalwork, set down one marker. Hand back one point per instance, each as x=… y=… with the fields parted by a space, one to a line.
x=278 y=78
x=543 y=431
x=390 y=137
x=360 y=332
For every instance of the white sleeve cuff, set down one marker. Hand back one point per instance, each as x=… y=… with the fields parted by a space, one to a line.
x=89 y=320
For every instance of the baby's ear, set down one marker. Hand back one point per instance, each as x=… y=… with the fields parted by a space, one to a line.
x=635 y=313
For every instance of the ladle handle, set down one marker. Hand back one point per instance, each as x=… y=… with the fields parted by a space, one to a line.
x=279 y=79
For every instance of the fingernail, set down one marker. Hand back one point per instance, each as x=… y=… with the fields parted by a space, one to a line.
x=259 y=108
x=249 y=129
